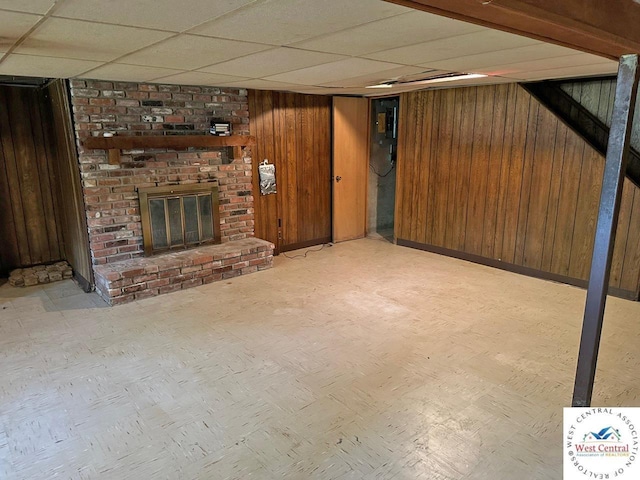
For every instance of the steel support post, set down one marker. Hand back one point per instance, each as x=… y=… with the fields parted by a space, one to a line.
x=614 y=170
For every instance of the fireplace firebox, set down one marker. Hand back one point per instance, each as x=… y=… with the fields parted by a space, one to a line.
x=177 y=217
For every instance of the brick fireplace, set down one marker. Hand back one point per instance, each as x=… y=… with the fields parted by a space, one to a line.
x=122 y=272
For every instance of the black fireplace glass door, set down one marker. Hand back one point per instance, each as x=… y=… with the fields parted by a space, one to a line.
x=191 y=228
x=175 y=221
x=206 y=217
x=158 y=223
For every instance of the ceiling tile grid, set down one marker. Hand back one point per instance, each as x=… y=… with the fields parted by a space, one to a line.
x=329 y=46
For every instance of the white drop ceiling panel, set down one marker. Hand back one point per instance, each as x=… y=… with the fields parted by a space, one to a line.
x=13 y=26
x=457 y=83
x=539 y=51
x=129 y=73
x=272 y=62
x=190 y=52
x=330 y=72
x=327 y=46
x=568 y=72
x=282 y=22
x=199 y=78
x=381 y=76
x=399 y=31
x=330 y=91
x=160 y=14
x=575 y=60
x=33 y=66
x=445 y=48
x=260 y=84
x=29 y=6
x=57 y=37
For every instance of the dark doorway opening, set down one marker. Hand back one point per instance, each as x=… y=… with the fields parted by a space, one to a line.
x=382 y=167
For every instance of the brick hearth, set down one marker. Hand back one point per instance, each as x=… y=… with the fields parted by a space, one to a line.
x=144 y=277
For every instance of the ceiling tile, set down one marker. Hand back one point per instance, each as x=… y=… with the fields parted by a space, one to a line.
x=382 y=76
x=575 y=60
x=190 y=52
x=325 y=90
x=199 y=78
x=331 y=72
x=457 y=83
x=259 y=84
x=29 y=6
x=35 y=66
x=271 y=62
x=81 y=40
x=129 y=73
x=13 y=26
x=394 y=32
x=162 y=14
x=281 y=22
x=501 y=57
x=569 y=72
x=446 y=48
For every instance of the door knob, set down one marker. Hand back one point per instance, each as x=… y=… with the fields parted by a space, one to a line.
x=338 y=178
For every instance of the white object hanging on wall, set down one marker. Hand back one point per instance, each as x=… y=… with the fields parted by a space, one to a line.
x=267 y=174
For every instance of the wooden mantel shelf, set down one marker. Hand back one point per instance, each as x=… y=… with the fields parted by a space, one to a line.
x=115 y=144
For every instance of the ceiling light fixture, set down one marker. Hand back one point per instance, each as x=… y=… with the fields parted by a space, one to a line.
x=381 y=85
x=449 y=77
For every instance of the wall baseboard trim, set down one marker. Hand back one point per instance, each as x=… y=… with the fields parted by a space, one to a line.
x=510 y=267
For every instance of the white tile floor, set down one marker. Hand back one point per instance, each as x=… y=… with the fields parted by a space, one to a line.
x=361 y=361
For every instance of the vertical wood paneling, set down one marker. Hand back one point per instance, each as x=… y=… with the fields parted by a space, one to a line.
x=13 y=177
x=30 y=223
x=509 y=98
x=68 y=191
x=401 y=187
x=624 y=222
x=478 y=171
x=497 y=176
x=631 y=262
x=293 y=132
x=540 y=186
x=525 y=185
x=566 y=216
x=514 y=182
x=493 y=174
x=261 y=126
x=10 y=255
x=586 y=213
x=465 y=155
x=423 y=155
x=554 y=197
x=453 y=174
x=439 y=188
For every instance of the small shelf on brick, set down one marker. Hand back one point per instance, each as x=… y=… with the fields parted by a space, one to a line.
x=115 y=144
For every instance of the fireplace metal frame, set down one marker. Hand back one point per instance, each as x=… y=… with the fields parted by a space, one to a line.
x=176 y=191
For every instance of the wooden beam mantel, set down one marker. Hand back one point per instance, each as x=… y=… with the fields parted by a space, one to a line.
x=603 y=27
x=115 y=144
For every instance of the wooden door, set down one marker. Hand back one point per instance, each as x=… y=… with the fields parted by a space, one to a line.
x=350 y=167
x=29 y=227
x=293 y=132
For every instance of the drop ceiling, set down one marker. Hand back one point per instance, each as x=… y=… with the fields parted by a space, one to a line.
x=309 y=46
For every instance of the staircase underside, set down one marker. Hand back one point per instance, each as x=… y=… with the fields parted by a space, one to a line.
x=580 y=120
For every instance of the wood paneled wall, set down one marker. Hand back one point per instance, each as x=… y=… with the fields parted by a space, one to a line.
x=293 y=131
x=29 y=230
x=72 y=215
x=488 y=174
